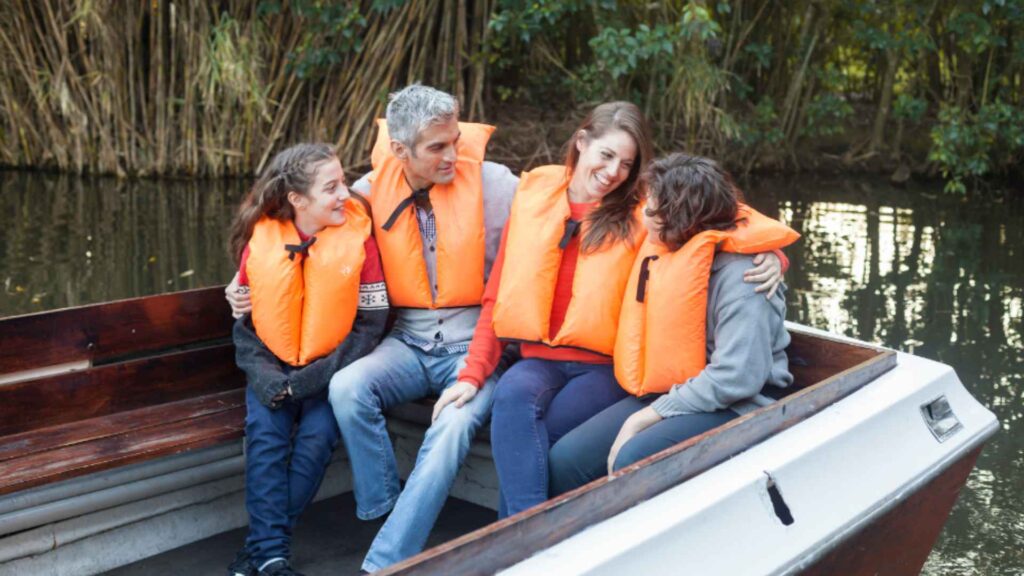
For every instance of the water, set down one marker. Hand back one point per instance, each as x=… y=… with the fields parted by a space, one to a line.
x=910 y=269
x=67 y=241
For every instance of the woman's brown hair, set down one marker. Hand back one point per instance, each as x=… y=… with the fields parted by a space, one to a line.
x=613 y=218
x=690 y=194
x=293 y=169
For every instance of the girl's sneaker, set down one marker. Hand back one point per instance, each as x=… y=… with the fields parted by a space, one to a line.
x=242 y=565
x=278 y=567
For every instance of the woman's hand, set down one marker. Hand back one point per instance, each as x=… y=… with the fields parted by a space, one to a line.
x=460 y=393
x=238 y=298
x=768 y=271
x=635 y=424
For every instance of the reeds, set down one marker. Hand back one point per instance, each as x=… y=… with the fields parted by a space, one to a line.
x=210 y=89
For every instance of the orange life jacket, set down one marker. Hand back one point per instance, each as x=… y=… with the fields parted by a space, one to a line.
x=459 y=217
x=304 y=306
x=538 y=226
x=662 y=329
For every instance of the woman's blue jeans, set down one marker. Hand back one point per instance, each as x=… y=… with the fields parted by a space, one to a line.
x=582 y=455
x=536 y=403
x=287 y=451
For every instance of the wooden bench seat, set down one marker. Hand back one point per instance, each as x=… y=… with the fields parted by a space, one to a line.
x=134 y=380
x=42 y=456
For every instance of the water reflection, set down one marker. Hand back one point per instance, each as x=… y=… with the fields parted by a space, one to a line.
x=67 y=241
x=939 y=277
x=907 y=268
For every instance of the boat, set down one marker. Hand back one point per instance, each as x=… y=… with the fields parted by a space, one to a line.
x=121 y=427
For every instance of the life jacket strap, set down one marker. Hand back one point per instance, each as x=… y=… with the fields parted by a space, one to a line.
x=300 y=248
x=422 y=195
x=645 y=274
x=572 y=229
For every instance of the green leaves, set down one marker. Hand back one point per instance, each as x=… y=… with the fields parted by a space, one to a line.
x=968 y=145
x=331 y=30
x=826 y=115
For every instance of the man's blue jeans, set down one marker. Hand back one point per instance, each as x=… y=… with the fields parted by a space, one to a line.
x=360 y=393
x=537 y=402
x=287 y=452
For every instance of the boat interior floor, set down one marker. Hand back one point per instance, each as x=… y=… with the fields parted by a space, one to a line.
x=329 y=539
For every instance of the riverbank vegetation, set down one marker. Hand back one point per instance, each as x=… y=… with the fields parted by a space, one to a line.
x=213 y=88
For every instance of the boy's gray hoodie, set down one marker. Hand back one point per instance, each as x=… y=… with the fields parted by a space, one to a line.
x=746 y=346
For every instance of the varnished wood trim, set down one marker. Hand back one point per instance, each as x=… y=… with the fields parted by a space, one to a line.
x=105 y=390
x=102 y=331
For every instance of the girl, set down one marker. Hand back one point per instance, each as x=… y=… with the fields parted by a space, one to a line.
x=569 y=245
x=318 y=303
x=694 y=342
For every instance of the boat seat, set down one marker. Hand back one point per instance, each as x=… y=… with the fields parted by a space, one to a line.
x=37 y=457
x=96 y=387
x=92 y=388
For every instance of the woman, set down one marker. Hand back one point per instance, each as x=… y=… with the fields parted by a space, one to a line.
x=306 y=252
x=570 y=242
x=695 y=343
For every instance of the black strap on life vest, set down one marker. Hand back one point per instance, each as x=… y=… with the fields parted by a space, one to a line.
x=645 y=274
x=301 y=248
x=572 y=228
x=420 y=196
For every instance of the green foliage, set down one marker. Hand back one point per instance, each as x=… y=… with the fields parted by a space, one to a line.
x=761 y=127
x=909 y=108
x=331 y=30
x=697 y=23
x=974 y=33
x=523 y=20
x=620 y=53
x=826 y=115
x=969 y=145
x=761 y=53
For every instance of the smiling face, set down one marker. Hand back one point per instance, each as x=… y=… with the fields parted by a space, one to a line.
x=323 y=204
x=432 y=159
x=604 y=164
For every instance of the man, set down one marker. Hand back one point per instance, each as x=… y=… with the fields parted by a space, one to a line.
x=439 y=210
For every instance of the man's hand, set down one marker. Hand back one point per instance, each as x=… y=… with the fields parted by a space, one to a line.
x=635 y=424
x=460 y=393
x=768 y=271
x=238 y=297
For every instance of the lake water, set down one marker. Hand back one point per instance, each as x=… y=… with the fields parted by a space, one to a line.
x=907 y=268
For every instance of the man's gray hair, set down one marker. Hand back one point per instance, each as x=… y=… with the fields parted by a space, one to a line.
x=414 y=108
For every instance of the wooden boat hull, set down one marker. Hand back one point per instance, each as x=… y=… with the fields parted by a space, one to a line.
x=900 y=540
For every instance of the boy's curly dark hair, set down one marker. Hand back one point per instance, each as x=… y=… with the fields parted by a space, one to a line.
x=688 y=195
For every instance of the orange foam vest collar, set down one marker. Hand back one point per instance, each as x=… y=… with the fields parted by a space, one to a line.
x=303 y=307
x=533 y=256
x=459 y=217
x=662 y=339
